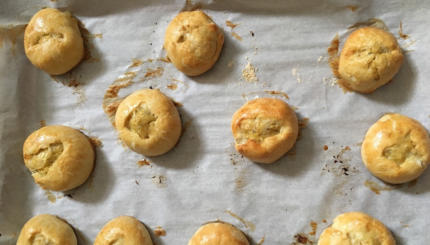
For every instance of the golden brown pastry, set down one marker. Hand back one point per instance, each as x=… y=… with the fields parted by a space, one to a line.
x=193 y=42
x=123 y=230
x=356 y=228
x=218 y=233
x=396 y=149
x=60 y=158
x=148 y=122
x=264 y=129
x=46 y=229
x=369 y=59
x=53 y=41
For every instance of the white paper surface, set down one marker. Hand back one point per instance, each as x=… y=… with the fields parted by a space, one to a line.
x=200 y=181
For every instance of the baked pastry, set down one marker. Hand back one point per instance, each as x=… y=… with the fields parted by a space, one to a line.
x=369 y=59
x=356 y=228
x=218 y=233
x=396 y=149
x=193 y=42
x=148 y=122
x=60 y=158
x=123 y=230
x=53 y=41
x=46 y=229
x=264 y=129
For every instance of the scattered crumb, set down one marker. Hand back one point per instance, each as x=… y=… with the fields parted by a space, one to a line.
x=314 y=227
x=375 y=187
x=143 y=162
x=261 y=240
x=296 y=74
x=332 y=81
x=303 y=123
x=172 y=86
x=339 y=165
x=230 y=24
x=283 y=94
x=96 y=142
x=253 y=34
x=137 y=182
x=235 y=35
x=321 y=58
x=51 y=197
x=159 y=180
x=301 y=238
x=42 y=123
x=248 y=73
x=401 y=34
x=325 y=147
x=159 y=231
x=246 y=223
x=353 y=8
x=11 y=33
x=324 y=221
x=135 y=63
x=150 y=73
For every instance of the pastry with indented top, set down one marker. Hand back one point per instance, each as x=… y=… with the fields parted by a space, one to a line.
x=370 y=58
x=148 y=122
x=193 y=42
x=123 y=230
x=60 y=158
x=264 y=129
x=356 y=228
x=218 y=233
x=396 y=149
x=53 y=41
x=46 y=229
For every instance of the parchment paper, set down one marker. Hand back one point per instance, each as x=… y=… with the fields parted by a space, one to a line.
x=203 y=179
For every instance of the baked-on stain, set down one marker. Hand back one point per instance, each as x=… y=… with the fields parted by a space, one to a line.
x=353 y=8
x=137 y=182
x=274 y=92
x=143 y=162
x=230 y=24
x=401 y=34
x=42 y=123
x=301 y=238
x=11 y=33
x=159 y=231
x=235 y=35
x=248 y=73
x=303 y=123
x=333 y=56
x=172 y=86
x=246 y=223
x=324 y=221
x=240 y=181
x=165 y=59
x=325 y=147
x=339 y=166
x=135 y=63
x=314 y=227
x=261 y=240
x=151 y=73
x=96 y=142
x=51 y=197
x=376 y=188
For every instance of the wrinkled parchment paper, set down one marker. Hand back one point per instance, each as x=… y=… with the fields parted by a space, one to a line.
x=280 y=47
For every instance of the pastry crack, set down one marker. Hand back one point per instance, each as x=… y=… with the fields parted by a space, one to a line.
x=44 y=158
x=48 y=36
x=257 y=129
x=141 y=121
x=404 y=150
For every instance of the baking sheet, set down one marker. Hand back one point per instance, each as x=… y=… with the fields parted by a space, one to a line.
x=284 y=43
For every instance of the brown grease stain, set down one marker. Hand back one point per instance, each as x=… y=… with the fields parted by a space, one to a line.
x=159 y=231
x=376 y=188
x=230 y=24
x=235 y=35
x=401 y=34
x=333 y=56
x=246 y=223
x=151 y=73
x=135 y=63
x=325 y=147
x=303 y=123
x=172 y=86
x=301 y=238
x=314 y=227
x=274 y=92
x=143 y=162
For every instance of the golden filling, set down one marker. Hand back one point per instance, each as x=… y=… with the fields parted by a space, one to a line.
x=403 y=151
x=40 y=239
x=141 y=121
x=257 y=129
x=41 y=161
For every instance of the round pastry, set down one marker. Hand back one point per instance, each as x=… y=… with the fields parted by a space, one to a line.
x=46 y=229
x=369 y=59
x=218 y=233
x=264 y=129
x=356 y=228
x=396 y=149
x=53 y=41
x=193 y=42
x=123 y=230
x=148 y=122
x=60 y=158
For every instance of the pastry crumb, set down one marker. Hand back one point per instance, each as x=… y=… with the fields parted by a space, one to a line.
x=151 y=73
x=172 y=86
x=143 y=162
x=296 y=74
x=248 y=73
x=230 y=24
x=159 y=231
